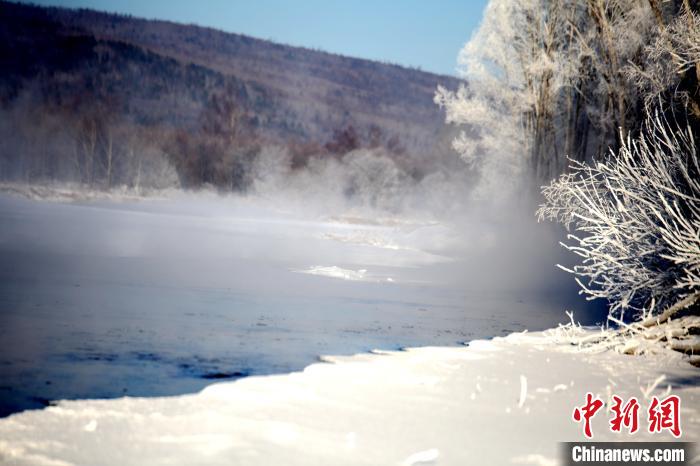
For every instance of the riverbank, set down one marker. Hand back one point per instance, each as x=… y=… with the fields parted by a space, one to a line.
x=503 y=401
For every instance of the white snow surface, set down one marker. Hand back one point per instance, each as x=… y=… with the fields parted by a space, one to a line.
x=337 y=272
x=502 y=401
x=344 y=274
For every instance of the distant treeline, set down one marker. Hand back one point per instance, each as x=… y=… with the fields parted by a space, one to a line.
x=152 y=111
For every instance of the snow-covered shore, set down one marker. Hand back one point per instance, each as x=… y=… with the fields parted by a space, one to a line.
x=502 y=401
x=73 y=192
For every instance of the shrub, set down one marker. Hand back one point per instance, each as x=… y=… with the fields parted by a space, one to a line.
x=636 y=215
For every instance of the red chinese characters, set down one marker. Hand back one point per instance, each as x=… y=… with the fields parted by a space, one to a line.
x=627 y=415
x=665 y=415
x=586 y=413
x=662 y=414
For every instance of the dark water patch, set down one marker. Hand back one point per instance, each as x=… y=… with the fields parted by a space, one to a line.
x=87 y=357
x=150 y=357
x=200 y=367
x=224 y=375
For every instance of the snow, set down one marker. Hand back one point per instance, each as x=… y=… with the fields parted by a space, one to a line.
x=501 y=401
x=337 y=272
x=344 y=274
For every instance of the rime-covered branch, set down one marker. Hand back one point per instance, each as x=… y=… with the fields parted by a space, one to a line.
x=635 y=222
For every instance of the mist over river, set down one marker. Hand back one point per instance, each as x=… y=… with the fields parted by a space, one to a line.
x=163 y=297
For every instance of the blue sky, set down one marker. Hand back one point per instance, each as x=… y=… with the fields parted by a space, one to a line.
x=416 y=33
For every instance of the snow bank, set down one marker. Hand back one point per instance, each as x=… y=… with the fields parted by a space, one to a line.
x=503 y=401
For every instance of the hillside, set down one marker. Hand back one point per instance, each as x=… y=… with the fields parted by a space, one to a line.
x=86 y=83
x=325 y=91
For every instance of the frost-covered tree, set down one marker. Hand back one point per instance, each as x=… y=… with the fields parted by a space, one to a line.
x=549 y=80
x=669 y=66
x=494 y=105
x=566 y=86
x=635 y=218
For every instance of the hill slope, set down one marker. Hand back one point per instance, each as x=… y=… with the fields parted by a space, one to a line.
x=326 y=91
x=95 y=86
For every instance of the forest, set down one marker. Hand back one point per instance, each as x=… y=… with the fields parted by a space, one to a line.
x=599 y=101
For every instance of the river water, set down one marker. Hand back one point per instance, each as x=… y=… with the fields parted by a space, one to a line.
x=162 y=297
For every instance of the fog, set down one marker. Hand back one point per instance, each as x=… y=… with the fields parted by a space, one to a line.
x=161 y=295
x=143 y=287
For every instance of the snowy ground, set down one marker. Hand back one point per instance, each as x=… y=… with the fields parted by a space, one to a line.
x=502 y=401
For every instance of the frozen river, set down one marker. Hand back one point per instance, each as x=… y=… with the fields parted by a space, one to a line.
x=163 y=297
